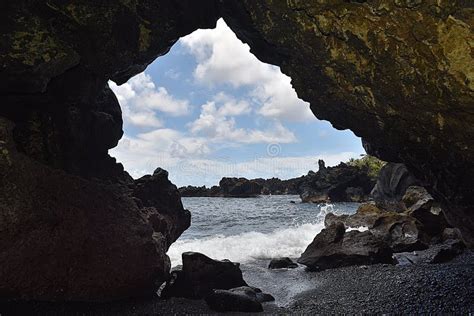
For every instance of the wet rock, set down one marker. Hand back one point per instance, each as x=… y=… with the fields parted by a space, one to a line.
x=400 y=231
x=282 y=263
x=200 y=274
x=333 y=247
x=253 y=292
x=435 y=254
x=342 y=183
x=365 y=216
x=234 y=300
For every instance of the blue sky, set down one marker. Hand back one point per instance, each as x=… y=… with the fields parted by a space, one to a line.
x=209 y=109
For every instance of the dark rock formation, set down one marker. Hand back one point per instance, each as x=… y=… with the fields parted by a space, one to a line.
x=282 y=263
x=401 y=232
x=277 y=186
x=192 y=191
x=342 y=183
x=234 y=301
x=392 y=183
x=247 y=188
x=239 y=187
x=65 y=237
x=397 y=73
x=72 y=221
x=451 y=233
x=200 y=275
x=334 y=247
x=421 y=205
x=241 y=299
x=436 y=254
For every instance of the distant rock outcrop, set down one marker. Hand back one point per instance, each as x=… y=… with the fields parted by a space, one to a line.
x=342 y=183
x=242 y=187
x=351 y=182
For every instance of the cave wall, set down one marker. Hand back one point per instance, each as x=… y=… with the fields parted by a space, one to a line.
x=73 y=224
x=399 y=73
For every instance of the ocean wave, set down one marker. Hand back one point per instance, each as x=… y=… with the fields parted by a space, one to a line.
x=250 y=246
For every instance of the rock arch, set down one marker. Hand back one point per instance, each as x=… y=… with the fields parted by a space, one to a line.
x=397 y=73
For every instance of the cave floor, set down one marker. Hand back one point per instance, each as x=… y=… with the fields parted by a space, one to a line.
x=436 y=288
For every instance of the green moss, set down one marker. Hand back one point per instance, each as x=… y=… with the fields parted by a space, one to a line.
x=145 y=38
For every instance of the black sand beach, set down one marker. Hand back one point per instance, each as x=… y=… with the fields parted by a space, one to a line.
x=435 y=288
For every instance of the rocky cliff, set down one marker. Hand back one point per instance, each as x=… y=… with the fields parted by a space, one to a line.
x=397 y=73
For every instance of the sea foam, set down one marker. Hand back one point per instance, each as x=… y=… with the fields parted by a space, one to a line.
x=250 y=246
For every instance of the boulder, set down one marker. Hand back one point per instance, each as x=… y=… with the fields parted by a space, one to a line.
x=282 y=263
x=200 y=275
x=435 y=254
x=365 y=216
x=157 y=191
x=392 y=183
x=242 y=299
x=451 y=233
x=400 y=231
x=333 y=248
x=421 y=205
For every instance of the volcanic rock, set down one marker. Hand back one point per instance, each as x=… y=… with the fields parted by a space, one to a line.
x=239 y=187
x=400 y=231
x=65 y=237
x=333 y=247
x=435 y=254
x=241 y=299
x=392 y=183
x=282 y=263
x=342 y=183
x=200 y=275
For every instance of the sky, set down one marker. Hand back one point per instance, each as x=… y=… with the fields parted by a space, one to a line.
x=209 y=109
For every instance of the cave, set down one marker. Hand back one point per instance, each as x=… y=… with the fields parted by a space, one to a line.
x=399 y=74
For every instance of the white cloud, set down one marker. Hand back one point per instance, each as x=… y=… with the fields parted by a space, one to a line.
x=216 y=123
x=140 y=99
x=223 y=58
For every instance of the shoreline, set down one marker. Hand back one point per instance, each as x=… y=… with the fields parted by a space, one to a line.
x=381 y=288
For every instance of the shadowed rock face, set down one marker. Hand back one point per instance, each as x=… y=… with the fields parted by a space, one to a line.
x=397 y=73
x=74 y=225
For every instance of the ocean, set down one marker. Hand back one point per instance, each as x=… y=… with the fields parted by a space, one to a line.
x=252 y=231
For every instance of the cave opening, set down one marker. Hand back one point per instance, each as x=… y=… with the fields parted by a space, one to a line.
x=209 y=109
